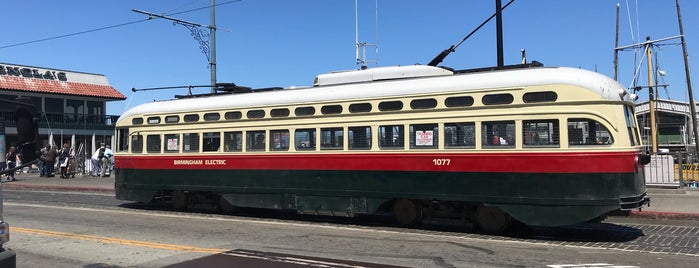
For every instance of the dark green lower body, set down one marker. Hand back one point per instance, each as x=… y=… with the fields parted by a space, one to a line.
x=534 y=199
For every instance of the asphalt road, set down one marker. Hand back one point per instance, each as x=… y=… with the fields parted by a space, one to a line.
x=70 y=229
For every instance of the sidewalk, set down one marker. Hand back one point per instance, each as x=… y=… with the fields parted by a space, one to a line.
x=682 y=204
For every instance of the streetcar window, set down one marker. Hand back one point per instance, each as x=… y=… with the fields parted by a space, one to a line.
x=136 y=144
x=233 y=115
x=153 y=143
x=154 y=120
x=212 y=141
x=255 y=140
x=424 y=136
x=540 y=133
x=544 y=96
x=498 y=134
x=588 y=132
x=122 y=140
x=359 y=138
x=190 y=142
x=137 y=121
x=423 y=104
x=463 y=101
x=631 y=125
x=172 y=143
x=233 y=141
x=191 y=117
x=459 y=135
x=172 y=119
x=212 y=116
x=391 y=106
x=283 y=112
x=331 y=138
x=492 y=99
x=301 y=111
x=391 y=137
x=256 y=114
x=305 y=139
x=279 y=140
x=360 y=107
x=331 y=109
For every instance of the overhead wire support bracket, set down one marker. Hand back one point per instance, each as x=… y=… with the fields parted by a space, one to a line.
x=195 y=28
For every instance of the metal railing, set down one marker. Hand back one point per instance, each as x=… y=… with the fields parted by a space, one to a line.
x=679 y=170
x=68 y=121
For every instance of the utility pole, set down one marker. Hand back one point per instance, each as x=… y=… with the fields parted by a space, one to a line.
x=208 y=47
x=692 y=104
x=651 y=97
x=616 y=44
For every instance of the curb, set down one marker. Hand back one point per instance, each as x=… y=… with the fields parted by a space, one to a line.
x=656 y=215
x=55 y=187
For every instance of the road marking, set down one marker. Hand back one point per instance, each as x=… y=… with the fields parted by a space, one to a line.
x=590 y=265
x=127 y=242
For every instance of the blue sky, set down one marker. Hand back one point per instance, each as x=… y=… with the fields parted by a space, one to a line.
x=265 y=43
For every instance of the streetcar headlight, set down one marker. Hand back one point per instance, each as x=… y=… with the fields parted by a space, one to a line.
x=622 y=92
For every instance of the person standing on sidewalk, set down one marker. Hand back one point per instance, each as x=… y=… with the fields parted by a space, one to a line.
x=96 y=160
x=42 y=160
x=107 y=162
x=11 y=158
x=64 y=157
x=50 y=161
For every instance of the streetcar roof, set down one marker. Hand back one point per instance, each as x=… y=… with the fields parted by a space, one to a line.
x=397 y=84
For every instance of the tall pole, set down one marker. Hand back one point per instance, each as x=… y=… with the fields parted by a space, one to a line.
x=616 y=44
x=498 y=25
x=651 y=97
x=692 y=104
x=212 y=42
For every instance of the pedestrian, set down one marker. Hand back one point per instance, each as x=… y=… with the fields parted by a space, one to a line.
x=64 y=157
x=107 y=162
x=11 y=157
x=42 y=159
x=96 y=160
x=50 y=161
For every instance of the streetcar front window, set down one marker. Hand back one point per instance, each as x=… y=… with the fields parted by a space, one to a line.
x=122 y=140
x=631 y=126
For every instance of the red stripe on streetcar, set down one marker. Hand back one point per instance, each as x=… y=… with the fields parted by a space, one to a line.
x=574 y=162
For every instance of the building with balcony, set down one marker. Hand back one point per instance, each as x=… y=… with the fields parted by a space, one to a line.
x=673 y=124
x=70 y=106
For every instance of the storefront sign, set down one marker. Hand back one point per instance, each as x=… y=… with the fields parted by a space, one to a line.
x=32 y=73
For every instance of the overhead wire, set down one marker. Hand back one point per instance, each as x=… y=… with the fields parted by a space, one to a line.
x=107 y=27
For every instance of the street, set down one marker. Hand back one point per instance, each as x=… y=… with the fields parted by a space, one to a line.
x=74 y=229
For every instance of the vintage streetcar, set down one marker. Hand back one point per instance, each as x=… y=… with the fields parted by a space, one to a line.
x=483 y=146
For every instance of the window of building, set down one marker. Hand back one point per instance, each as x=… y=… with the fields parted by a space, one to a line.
x=391 y=106
x=424 y=136
x=459 y=135
x=540 y=133
x=255 y=140
x=492 y=99
x=360 y=108
x=331 y=138
x=279 y=140
x=94 y=107
x=303 y=111
x=544 y=96
x=136 y=144
x=305 y=139
x=331 y=109
x=462 y=101
x=233 y=115
x=588 y=132
x=359 y=138
x=191 y=117
x=283 y=112
x=391 y=137
x=423 y=104
x=498 y=134
x=172 y=143
x=212 y=141
x=190 y=142
x=256 y=114
x=52 y=105
x=172 y=119
x=153 y=143
x=212 y=116
x=154 y=120
x=233 y=141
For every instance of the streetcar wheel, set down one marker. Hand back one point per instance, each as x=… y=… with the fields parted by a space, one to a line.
x=492 y=219
x=225 y=206
x=407 y=212
x=179 y=200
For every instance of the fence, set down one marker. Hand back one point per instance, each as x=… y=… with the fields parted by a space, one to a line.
x=678 y=170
